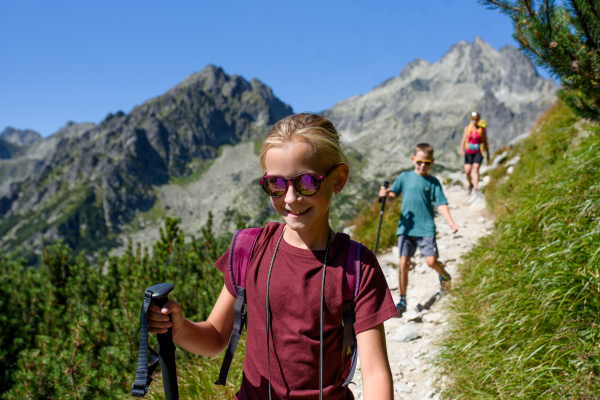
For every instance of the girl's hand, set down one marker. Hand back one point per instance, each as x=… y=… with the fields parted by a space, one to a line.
x=158 y=318
x=462 y=152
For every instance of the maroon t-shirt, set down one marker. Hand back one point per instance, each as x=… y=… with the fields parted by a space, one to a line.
x=294 y=299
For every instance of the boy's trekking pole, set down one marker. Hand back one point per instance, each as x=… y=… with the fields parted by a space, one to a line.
x=382 y=201
x=159 y=294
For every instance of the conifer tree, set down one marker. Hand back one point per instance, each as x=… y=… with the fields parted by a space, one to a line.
x=562 y=37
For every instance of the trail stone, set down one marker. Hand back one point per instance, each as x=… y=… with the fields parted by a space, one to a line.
x=433 y=317
x=478 y=204
x=401 y=387
x=513 y=161
x=406 y=333
x=500 y=158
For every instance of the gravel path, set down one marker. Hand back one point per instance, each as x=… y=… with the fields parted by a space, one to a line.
x=414 y=377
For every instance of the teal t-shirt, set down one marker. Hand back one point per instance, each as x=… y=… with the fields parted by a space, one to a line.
x=419 y=193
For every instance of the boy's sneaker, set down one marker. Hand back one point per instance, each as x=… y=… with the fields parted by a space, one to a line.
x=445 y=282
x=477 y=192
x=470 y=189
x=400 y=308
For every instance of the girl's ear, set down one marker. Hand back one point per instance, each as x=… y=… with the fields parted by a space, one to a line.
x=341 y=177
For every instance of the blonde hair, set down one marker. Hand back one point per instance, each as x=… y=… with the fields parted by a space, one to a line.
x=425 y=148
x=316 y=131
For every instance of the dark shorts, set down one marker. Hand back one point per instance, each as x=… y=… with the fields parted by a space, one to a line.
x=475 y=158
x=407 y=245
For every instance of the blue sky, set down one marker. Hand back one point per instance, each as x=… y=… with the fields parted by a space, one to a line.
x=79 y=60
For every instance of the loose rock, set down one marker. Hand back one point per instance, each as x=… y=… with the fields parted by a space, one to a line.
x=406 y=333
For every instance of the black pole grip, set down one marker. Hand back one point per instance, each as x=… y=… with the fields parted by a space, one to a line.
x=166 y=348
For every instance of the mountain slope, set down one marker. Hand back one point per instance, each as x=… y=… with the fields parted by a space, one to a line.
x=431 y=103
x=89 y=181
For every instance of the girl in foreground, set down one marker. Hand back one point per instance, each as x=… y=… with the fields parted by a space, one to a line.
x=304 y=167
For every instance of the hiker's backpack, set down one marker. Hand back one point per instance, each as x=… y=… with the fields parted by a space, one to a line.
x=240 y=253
x=481 y=125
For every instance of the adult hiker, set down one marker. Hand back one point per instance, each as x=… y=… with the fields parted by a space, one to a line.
x=473 y=144
x=416 y=227
x=294 y=285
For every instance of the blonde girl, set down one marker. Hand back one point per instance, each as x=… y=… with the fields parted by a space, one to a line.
x=294 y=282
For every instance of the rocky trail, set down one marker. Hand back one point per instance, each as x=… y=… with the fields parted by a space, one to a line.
x=411 y=340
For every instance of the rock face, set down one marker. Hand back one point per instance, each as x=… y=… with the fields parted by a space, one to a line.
x=431 y=103
x=86 y=181
x=18 y=137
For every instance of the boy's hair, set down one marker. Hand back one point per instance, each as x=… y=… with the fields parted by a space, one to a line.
x=316 y=131
x=425 y=148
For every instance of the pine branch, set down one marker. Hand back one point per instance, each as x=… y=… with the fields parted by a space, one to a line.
x=504 y=6
x=595 y=12
x=582 y=21
x=549 y=7
x=529 y=8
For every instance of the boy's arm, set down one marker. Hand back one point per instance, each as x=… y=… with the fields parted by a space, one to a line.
x=446 y=214
x=207 y=338
x=375 y=367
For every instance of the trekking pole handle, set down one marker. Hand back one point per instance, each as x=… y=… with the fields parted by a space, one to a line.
x=166 y=348
x=160 y=296
x=386 y=184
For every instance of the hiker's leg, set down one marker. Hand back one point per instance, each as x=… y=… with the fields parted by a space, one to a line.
x=468 y=168
x=403 y=274
x=475 y=175
x=434 y=263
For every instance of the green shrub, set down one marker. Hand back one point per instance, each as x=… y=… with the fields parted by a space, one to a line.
x=71 y=329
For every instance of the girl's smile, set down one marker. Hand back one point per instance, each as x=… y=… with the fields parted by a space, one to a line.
x=298 y=213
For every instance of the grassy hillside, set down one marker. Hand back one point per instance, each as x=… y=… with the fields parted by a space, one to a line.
x=525 y=319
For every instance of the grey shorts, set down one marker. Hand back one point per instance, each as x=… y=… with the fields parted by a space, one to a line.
x=407 y=245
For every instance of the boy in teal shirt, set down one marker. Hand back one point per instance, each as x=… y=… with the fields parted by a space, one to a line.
x=416 y=227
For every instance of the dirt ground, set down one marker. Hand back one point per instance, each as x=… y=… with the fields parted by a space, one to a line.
x=414 y=376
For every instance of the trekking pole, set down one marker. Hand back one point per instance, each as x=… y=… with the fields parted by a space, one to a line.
x=382 y=201
x=159 y=294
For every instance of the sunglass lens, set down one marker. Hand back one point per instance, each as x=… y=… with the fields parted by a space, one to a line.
x=306 y=184
x=274 y=186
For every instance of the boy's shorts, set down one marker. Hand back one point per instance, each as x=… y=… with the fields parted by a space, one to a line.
x=407 y=245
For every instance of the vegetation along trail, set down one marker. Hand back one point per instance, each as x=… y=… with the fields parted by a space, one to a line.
x=411 y=339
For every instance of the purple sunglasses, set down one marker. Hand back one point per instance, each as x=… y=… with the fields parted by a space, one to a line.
x=305 y=184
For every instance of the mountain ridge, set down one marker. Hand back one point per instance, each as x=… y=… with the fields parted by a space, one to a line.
x=194 y=149
x=99 y=176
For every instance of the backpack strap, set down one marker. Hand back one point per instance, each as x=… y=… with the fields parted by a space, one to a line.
x=350 y=291
x=240 y=253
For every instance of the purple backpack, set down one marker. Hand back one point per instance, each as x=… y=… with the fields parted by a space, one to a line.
x=240 y=253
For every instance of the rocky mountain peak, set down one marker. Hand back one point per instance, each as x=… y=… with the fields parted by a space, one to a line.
x=430 y=103
x=414 y=68
x=20 y=137
x=101 y=176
